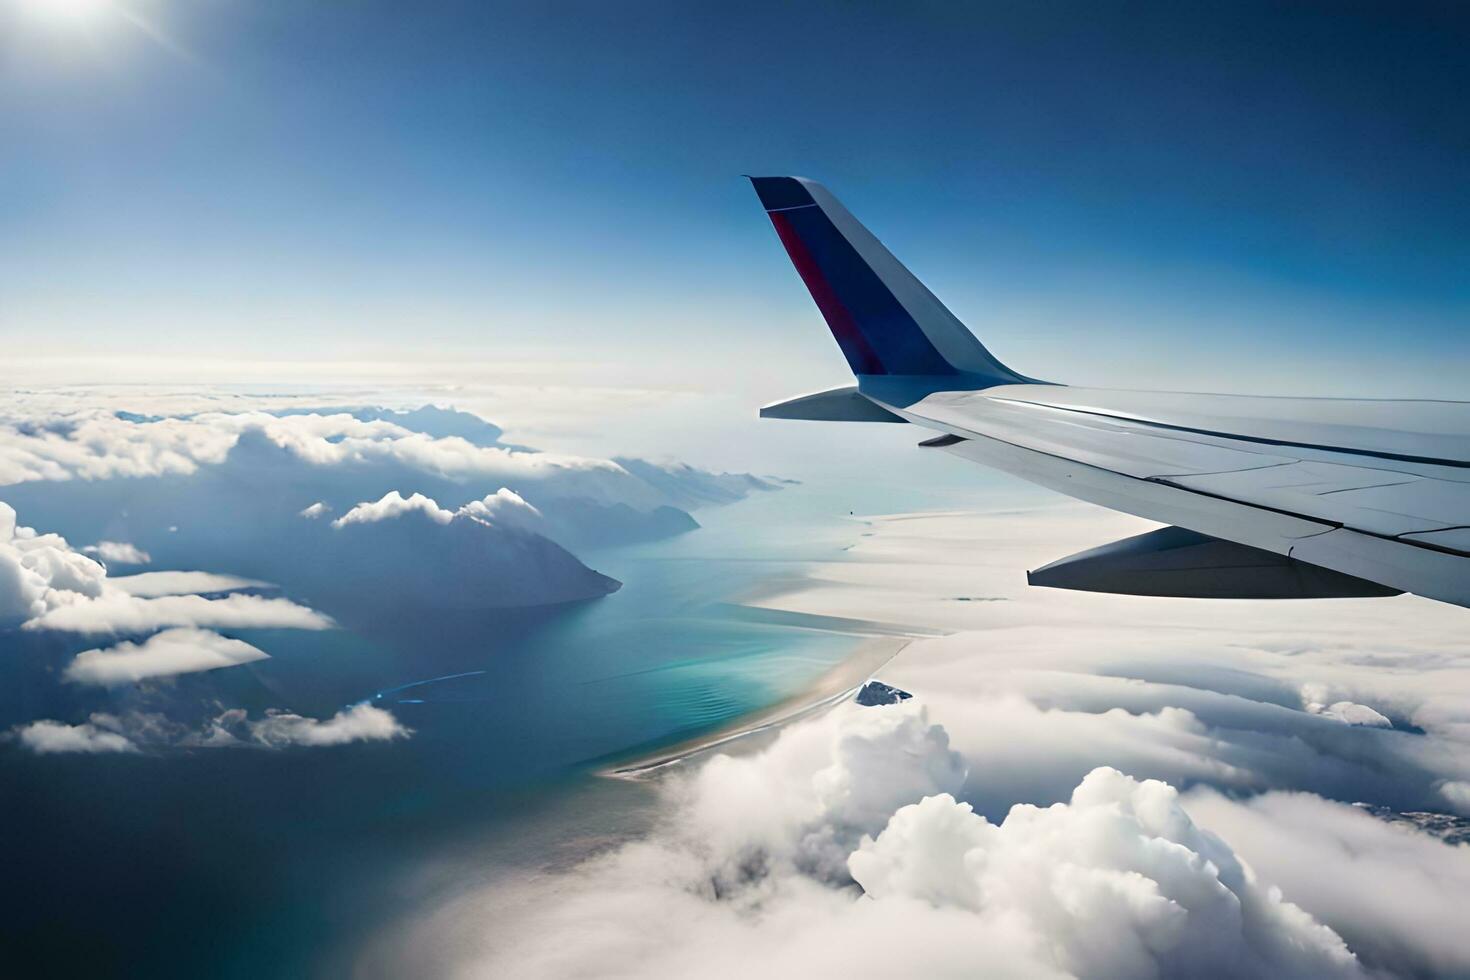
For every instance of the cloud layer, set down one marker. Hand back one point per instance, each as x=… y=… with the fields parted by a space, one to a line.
x=840 y=850
x=1021 y=812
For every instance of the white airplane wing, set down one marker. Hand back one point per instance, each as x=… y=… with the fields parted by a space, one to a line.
x=1267 y=497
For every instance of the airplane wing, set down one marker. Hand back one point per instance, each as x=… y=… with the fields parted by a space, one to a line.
x=1267 y=497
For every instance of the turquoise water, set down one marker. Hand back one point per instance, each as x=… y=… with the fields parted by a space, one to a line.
x=286 y=864
x=253 y=863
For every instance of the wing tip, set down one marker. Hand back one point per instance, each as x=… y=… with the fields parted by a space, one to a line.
x=780 y=193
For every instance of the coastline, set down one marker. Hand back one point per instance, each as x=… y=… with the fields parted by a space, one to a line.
x=905 y=577
x=838 y=684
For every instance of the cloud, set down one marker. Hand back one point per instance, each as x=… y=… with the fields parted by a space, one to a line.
x=45 y=584
x=1457 y=794
x=1396 y=895
x=136 y=731
x=41 y=571
x=118 y=551
x=1350 y=713
x=394 y=505
x=312 y=511
x=359 y=723
x=92 y=444
x=48 y=737
x=1117 y=882
x=1314 y=697
x=841 y=850
x=504 y=508
x=149 y=585
x=130 y=614
x=104 y=446
x=165 y=654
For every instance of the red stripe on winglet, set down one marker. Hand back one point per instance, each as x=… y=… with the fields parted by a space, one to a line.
x=855 y=347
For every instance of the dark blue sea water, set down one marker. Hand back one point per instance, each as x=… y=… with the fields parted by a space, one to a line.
x=262 y=863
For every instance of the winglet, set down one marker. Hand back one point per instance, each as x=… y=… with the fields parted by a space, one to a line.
x=884 y=319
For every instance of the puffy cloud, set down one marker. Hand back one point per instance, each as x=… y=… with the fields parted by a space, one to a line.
x=129 y=614
x=118 y=551
x=1456 y=793
x=101 y=444
x=749 y=873
x=809 y=799
x=504 y=508
x=41 y=571
x=1314 y=697
x=104 y=446
x=149 y=585
x=165 y=654
x=359 y=723
x=47 y=737
x=394 y=505
x=1350 y=713
x=45 y=584
x=312 y=511
x=1396 y=895
x=1117 y=882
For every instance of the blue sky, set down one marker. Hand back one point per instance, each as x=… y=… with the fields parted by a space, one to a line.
x=1248 y=198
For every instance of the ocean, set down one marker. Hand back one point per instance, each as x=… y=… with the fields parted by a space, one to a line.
x=247 y=863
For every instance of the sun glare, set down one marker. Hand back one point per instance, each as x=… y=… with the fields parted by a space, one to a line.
x=67 y=11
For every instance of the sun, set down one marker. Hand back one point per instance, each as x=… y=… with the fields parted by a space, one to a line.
x=64 y=12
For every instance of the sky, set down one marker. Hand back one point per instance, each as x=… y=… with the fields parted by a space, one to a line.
x=1237 y=197
x=368 y=368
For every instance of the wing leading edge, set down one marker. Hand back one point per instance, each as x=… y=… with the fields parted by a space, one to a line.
x=1375 y=491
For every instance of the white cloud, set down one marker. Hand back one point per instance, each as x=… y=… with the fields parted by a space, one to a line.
x=135 y=731
x=45 y=584
x=165 y=654
x=130 y=614
x=1350 y=713
x=93 y=444
x=99 y=446
x=749 y=873
x=149 y=585
x=1315 y=696
x=313 y=511
x=392 y=506
x=1396 y=895
x=1117 y=882
x=41 y=571
x=119 y=551
x=47 y=737
x=1457 y=794
x=504 y=508
x=359 y=723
